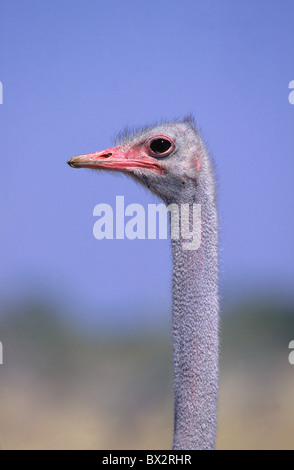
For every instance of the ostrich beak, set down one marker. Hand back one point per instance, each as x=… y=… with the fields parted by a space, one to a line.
x=117 y=158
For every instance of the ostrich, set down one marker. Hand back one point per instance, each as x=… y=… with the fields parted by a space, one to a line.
x=171 y=160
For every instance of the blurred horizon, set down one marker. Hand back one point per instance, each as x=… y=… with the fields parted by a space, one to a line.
x=67 y=388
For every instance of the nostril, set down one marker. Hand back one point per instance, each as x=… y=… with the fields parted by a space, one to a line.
x=105 y=155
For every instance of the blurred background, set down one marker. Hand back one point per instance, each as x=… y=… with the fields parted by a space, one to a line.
x=85 y=324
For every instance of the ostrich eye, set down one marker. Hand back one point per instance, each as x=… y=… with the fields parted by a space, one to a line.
x=161 y=146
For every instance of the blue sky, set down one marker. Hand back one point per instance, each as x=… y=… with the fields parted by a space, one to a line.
x=74 y=73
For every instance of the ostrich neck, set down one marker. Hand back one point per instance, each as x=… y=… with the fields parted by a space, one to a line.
x=195 y=331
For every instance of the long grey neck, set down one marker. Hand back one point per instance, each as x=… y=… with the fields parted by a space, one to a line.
x=195 y=328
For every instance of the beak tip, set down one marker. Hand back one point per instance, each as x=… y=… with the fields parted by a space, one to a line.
x=71 y=163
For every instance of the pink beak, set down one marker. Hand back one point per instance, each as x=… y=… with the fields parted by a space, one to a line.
x=117 y=159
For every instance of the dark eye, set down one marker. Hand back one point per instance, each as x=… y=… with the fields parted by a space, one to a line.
x=161 y=146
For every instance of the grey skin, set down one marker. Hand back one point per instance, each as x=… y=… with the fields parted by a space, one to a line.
x=185 y=176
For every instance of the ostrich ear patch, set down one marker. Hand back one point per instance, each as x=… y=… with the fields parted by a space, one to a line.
x=196 y=163
x=192 y=166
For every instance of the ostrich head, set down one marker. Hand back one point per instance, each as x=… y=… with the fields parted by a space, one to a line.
x=165 y=158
